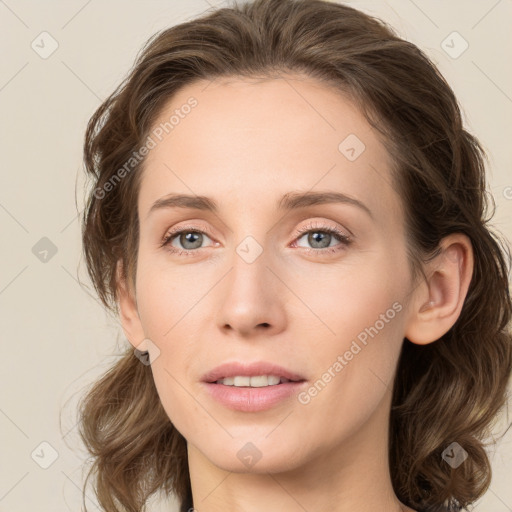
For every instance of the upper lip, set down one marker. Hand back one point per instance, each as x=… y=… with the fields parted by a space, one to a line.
x=233 y=369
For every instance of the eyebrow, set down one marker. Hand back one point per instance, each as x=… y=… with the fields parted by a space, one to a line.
x=290 y=201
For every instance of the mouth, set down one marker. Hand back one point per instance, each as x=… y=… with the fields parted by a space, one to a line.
x=252 y=387
x=254 y=381
x=256 y=374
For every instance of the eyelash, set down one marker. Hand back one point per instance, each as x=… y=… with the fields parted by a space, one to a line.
x=312 y=227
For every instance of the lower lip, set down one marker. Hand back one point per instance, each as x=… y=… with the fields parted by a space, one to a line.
x=253 y=399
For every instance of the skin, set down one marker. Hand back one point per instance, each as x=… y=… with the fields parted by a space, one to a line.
x=246 y=144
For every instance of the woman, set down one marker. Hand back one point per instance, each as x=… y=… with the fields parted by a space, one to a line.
x=288 y=216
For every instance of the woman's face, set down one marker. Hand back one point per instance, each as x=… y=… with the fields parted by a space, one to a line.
x=268 y=277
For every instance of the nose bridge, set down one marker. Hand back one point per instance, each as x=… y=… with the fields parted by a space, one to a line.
x=251 y=252
x=250 y=273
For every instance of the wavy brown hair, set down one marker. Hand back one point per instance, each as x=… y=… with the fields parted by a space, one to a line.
x=448 y=391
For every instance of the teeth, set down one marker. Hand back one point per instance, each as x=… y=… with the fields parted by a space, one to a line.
x=242 y=381
x=257 y=381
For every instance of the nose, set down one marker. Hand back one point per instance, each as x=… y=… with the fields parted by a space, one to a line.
x=252 y=297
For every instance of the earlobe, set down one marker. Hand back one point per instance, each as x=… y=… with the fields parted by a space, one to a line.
x=438 y=302
x=128 y=312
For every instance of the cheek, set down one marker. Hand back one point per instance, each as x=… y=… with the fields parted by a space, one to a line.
x=168 y=297
x=356 y=334
x=173 y=315
x=174 y=391
x=354 y=369
x=337 y=303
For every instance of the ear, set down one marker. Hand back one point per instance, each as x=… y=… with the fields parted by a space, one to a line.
x=438 y=302
x=129 y=314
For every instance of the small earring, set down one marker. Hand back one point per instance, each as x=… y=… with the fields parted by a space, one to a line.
x=426 y=306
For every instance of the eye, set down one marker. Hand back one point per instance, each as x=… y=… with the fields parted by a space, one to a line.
x=320 y=236
x=190 y=239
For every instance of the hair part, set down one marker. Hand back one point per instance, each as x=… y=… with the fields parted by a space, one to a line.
x=450 y=390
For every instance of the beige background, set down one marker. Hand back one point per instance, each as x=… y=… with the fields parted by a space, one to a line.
x=55 y=337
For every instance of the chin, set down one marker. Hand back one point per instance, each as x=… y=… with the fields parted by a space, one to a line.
x=253 y=453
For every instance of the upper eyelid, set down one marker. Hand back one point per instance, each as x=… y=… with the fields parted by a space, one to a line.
x=321 y=225
x=172 y=232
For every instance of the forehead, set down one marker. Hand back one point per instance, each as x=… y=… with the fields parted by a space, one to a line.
x=248 y=142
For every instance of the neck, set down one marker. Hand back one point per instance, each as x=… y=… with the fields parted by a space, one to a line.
x=351 y=476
